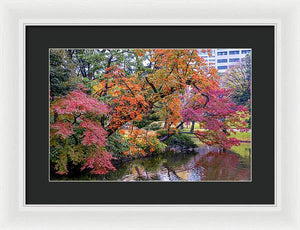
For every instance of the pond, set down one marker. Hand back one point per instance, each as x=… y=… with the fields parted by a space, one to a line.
x=202 y=164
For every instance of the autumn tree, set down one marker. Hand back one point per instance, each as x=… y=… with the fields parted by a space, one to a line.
x=77 y=135
x=165 y=77
x=218 y=118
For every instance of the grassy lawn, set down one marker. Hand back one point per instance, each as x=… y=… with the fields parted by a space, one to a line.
x=244 y=136
x=243 y=149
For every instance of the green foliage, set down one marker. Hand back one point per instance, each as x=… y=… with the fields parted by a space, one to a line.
x=147 y=121
x=64 y=152
x=117 y=144
x=181 y=140
x=242 y=97
x=59 y=74
x=238 y=78
x=156 y=143
x=155 y=126
x=92 y=63
x=249 y=123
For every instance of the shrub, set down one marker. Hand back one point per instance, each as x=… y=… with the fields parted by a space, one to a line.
x=117 y=144
x=181 y=140
x=146 y=121
x=155 y=126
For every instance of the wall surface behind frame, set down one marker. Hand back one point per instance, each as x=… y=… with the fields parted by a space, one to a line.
x=161 y=218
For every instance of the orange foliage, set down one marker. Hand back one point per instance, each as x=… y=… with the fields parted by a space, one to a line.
x=133 y=96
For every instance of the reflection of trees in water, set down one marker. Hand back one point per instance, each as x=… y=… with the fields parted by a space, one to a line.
x=222 y=166
x=152 y=164
x=178 y=159
x=139 y=167
x=172 y=173
x=161 y=167
x=122 y=170
x=183 y=167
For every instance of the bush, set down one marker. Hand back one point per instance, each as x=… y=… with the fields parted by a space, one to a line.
x=146 y=121
x=155 y=126
x=156 y=144
x=181 y=140
x=117 y=144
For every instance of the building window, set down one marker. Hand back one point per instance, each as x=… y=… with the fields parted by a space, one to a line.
x=222 y=67
x=222 y=60
x=246 y=51
x=234 y=52
x=234 y=60
x=222 y=53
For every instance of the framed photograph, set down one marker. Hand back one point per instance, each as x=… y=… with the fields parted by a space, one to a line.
x=150 y=114
x=143 y=109
x=187 y=120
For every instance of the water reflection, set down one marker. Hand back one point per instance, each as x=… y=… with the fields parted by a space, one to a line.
x=203 y=164
x=223 y=166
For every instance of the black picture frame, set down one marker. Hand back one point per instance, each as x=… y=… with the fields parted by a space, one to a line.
x=39 y=190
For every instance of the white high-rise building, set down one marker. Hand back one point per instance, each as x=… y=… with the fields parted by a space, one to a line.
x=222 y=59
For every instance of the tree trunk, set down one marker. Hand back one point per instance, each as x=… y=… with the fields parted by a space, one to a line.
x=193 y=126
x=164 y=138
x=181 y=127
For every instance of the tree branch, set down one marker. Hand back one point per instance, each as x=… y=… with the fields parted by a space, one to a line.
x=152 y=86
